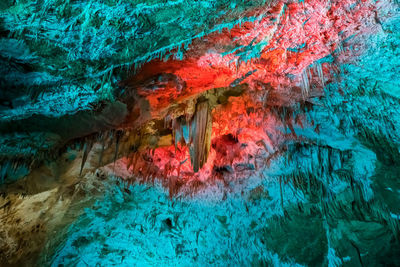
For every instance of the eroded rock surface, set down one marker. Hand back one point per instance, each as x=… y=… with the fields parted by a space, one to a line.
x=199 y=132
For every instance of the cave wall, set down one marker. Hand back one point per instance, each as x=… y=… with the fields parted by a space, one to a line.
x=199 y=132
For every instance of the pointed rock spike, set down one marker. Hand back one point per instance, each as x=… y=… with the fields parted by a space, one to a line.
x=86 y=149
x=118 y=136
x=201 y=135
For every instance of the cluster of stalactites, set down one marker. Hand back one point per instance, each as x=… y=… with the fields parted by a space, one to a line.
x=195 y=133
x=307 y=76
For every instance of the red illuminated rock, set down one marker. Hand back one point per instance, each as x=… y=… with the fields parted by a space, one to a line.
x=233 y=90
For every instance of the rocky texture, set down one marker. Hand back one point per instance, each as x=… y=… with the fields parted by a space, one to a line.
x=275 y=135
x=39 y=207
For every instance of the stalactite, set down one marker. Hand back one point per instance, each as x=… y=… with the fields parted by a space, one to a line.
x=87 y=147
x=280 y=190
x=320 y=73
x=103 y=143
x=118 y=136
x=185 y=132
x=305 y=82
x=200 y=135
x=177 y=131
x=110 y=138
x=3 y=172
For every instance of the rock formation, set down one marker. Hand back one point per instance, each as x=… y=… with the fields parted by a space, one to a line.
x=203 y=133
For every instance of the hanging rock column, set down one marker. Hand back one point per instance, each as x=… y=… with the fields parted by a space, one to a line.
x=200 y=135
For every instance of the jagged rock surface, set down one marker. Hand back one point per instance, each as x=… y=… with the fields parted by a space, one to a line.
x=273 y=125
